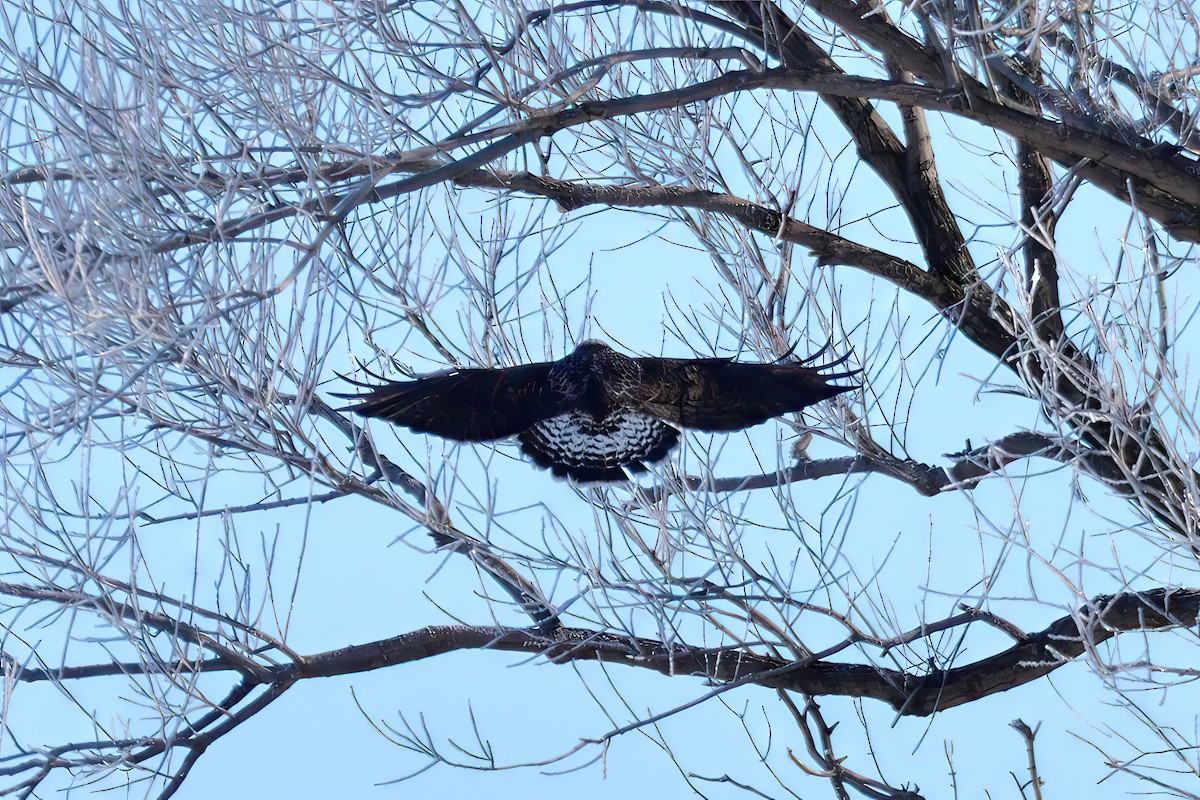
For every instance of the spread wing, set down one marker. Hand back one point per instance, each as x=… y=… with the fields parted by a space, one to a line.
x=467 y=405
x=579 y=446
x=717 y=394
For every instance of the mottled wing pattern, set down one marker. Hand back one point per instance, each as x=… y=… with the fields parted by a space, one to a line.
x=578 y=446
x=717 y=394
x=467 y=405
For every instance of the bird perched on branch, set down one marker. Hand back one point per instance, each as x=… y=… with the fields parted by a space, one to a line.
x=596 y=413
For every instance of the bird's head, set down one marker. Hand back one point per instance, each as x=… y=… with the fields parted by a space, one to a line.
x=591 y=347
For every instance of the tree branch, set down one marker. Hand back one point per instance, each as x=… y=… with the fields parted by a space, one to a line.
x=968 y=470
x=1032 y=657
x=1169 y=185
x=911 y=695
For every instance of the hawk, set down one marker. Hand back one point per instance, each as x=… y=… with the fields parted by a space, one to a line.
x=596 y=413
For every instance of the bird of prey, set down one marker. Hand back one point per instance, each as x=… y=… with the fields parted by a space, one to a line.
x=596 y=413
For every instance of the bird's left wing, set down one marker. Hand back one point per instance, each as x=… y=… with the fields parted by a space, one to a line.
x=718 y=394
x=467 y=405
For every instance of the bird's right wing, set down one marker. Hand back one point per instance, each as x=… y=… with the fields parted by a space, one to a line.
x=718 y=394
x=467 y=405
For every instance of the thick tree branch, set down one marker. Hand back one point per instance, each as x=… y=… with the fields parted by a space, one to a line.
x=1032 y=657
x=1038 y=221
x=916 y=695
x=828 y=247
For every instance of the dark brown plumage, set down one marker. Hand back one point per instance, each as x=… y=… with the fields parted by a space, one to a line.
x=596 y=413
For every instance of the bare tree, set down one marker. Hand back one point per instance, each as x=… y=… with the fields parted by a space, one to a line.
x=210 y=213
